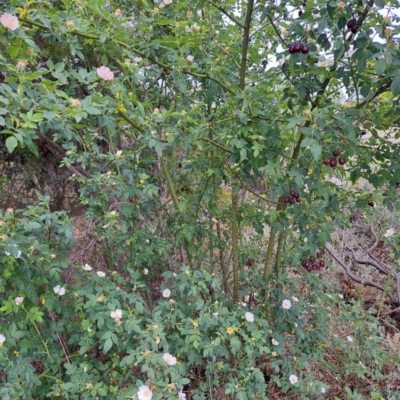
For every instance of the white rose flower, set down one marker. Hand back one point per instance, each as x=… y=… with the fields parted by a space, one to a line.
x=249 y=317
x=19 y=300
x=59 y=290
x=169 y=359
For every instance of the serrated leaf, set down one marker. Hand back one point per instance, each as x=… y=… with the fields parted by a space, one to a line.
x=11 y=144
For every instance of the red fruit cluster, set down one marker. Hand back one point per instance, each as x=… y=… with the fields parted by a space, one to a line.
x=352 y=25
x=333 y=161
x=293 y=199
x=298 y=47
x=313 y=264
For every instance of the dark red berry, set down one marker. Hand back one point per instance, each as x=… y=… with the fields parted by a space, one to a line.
x=300 y=13
x=321 y=264
x=332 y=162
x=292 y=200
x=354 y=28
x=286 y=200
x=371 y=204
x=350 y=23
x=342 y=161
x=304 y=49
x=297 y=47
x=293 y=193
x=326 y=161
x=292 y=48
x=312 y=259
x=285 y=65
x=296 y=195
x=363 y=133
x=297 y=199
x=307 y=264
x=398 y=185
x=303 y=263
x=336 y=152
x=314 y=267
x=304 y=4
x=308 y=269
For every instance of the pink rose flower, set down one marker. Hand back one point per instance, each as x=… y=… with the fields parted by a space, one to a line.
x=105 y=73
x=9 y=21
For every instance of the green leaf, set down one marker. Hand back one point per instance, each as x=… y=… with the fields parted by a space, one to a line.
x=395 y=86
x=361 y=65
x=316 y=150
x=307 y=142
x=107 y=345
x=49 y=115
x=11 y=144
x=365 y=90
x=93 y=111
x=380 y=66
x=32 y=225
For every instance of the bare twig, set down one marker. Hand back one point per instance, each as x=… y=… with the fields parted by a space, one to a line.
x=355 y=277
x=389 y=312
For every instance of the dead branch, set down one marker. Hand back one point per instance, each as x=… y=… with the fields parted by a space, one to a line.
x=355 y=278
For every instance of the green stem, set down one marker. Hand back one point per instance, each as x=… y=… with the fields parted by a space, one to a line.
x=112 y=148
x=220 y=146
x=235 y=189
x=127 y=119
x=110 y=257
x=245 y=44
x=39 y=334
x=279 y=252
x=221 y=259
x=268 y=258
x=175 y=202
x=383 y=297
x=235 y=255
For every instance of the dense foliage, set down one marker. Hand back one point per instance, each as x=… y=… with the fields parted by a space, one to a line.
x=203 y=136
